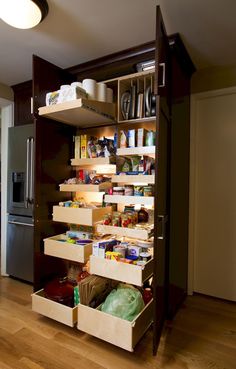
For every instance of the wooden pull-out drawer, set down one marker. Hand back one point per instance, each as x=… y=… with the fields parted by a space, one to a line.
x=51 y=309
x=58 y=247
x=119 y=332
x=81 y=216
x=129 y=273
x=142 y=234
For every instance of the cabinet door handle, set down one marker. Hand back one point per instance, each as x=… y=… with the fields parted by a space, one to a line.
x=27 y=172
x=31 y=188
x=163 y=66
x=31 y=105
x=162 y=219
x=18 y=223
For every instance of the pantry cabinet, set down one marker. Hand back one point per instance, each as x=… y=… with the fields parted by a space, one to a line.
x=22 y=103
x=55 y=127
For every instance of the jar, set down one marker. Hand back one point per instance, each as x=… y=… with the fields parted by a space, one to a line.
x=107 y=219
x=124 y=221
x=129 y=190
x=145 y=256
x=142 y=215
x=147 y=191
x=118 y=191
x=115 y=221
x=147 y=295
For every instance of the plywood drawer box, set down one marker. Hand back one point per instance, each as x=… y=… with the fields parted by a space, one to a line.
x=129 y=273
x=142 y=234
x=51 y=309
x=117 y=331
x=83 y=216
x=54 y=246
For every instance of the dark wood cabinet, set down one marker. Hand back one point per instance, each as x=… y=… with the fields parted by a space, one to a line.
x=22 y=103
x=53 y=152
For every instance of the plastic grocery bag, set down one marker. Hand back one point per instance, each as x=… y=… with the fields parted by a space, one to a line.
x=125 y=302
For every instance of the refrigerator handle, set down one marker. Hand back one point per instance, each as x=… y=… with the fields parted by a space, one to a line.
x=27 y=172
x=31 y=185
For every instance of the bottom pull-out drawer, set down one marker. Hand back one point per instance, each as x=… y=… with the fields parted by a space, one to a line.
x=119 y=332
x=51 y=309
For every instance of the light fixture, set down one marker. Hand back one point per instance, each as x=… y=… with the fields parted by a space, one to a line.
x=23 y=13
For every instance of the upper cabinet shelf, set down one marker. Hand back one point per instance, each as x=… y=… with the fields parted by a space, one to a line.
x=143 y=150
x=93 y=161
x=80 y=112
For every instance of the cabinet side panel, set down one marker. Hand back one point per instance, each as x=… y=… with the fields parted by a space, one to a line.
x=53 y=150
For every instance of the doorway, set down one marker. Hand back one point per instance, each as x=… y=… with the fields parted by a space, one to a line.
x=6 y=108
x=212 y=251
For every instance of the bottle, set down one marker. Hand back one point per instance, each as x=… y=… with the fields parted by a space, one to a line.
x=123 y=139
x=142 y=215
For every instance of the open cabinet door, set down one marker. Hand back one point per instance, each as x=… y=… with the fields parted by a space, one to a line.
x=53 y=151
x=160 y=279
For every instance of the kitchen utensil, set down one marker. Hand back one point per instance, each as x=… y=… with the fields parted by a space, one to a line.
x=148 y=101
x=125 y=104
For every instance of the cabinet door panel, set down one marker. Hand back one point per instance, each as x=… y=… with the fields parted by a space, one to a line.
x=46 y=77
x=160 y=284
x=53 y=151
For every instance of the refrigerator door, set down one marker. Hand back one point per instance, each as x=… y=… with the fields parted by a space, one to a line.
x=20 y=170
x=20 y=246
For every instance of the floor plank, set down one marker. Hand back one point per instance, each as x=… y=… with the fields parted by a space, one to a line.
x=202 y=336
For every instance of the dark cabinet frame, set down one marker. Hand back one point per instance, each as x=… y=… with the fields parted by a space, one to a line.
x=52 y=154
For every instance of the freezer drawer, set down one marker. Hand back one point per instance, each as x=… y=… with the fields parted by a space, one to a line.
x=20 y=247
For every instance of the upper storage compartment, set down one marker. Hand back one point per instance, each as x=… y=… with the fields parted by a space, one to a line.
x=136 y=99
x=80 y=112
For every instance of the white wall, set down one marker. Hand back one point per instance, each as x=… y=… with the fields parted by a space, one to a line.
x=6 y=106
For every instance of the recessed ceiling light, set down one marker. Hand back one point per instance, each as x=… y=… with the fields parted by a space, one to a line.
x=23 y=13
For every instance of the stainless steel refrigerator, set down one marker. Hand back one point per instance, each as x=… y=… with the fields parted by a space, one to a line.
x=20 y=228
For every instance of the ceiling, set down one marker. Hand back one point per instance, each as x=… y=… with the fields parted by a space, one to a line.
x=76 y=31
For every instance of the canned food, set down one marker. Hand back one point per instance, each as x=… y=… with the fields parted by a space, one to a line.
x=147 y=191
x=145 y=256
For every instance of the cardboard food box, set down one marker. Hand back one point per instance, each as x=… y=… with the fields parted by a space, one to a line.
x=83 y=146
x=141 y=136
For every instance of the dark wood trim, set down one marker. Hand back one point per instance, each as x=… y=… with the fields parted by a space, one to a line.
x=119 y=56
x=177 y=47
x=22 y=86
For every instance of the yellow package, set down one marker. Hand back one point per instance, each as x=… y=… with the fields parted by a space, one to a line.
x=83 y=146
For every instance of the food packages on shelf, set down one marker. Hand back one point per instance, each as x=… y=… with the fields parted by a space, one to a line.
x=94 y=289
x=137 y=138
x=79 y=203
x=84 y=176
x=135 y=165
x=100 y=247
x=125 y=302
x=66 y=94
x=91 y=147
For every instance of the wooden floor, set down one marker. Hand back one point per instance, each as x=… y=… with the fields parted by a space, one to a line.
x=203 y=335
